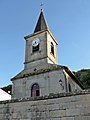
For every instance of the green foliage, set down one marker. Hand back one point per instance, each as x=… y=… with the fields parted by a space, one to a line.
x=84 y=76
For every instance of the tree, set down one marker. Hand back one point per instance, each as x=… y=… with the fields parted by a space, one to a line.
x=84 y=76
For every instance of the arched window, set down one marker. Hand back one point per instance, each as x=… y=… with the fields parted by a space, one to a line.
x=70 y=90
x=52 y=48
x=35 y=91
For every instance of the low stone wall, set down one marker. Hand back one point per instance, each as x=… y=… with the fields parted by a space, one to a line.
x=75 y=106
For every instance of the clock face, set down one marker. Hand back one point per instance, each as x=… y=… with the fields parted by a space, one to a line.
x=35 y=42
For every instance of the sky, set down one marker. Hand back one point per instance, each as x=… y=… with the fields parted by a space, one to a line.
x=68 y=20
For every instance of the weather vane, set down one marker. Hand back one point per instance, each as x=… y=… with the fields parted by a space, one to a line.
x=41 y=5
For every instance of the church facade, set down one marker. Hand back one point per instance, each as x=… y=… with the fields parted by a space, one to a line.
x=42 y=75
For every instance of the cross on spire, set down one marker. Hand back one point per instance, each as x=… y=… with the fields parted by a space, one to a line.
x=41 y=5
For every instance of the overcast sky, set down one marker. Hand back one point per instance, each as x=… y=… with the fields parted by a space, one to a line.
x=68 y=20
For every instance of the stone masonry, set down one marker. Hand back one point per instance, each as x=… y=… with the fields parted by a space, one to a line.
x=65 y=106
x=45 y=90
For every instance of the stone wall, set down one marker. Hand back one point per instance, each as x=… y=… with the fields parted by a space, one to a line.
x=66 y=106
x=48 y=83
x=48 y=80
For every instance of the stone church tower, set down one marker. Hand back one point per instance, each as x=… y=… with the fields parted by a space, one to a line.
x=41 y=75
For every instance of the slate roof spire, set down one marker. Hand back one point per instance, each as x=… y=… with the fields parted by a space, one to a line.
x=41 y=24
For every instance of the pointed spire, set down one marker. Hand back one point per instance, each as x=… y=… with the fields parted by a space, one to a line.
x=41 y=24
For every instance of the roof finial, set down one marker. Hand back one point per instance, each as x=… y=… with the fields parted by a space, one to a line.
x=41 y=5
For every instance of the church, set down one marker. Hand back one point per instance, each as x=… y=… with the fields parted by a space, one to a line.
x=44 y=90
x=42 y=75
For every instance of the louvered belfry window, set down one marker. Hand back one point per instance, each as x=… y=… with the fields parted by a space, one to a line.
x=52 y=48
